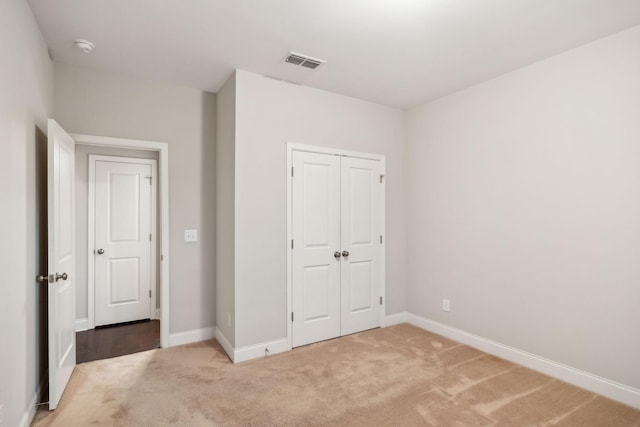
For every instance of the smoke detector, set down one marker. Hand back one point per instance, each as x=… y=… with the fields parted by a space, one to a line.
x=303 y=60
x=84 y=45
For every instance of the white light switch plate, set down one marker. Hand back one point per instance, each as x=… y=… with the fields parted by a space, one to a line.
x=190 y=236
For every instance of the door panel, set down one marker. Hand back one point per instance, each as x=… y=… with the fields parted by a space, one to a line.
x=316 y=231
x=61 y=260
x=122 y=241
x=361 y=285
x=336 y=207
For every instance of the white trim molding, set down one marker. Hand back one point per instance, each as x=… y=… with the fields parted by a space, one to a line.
x=255 y=351
x=82 y=324
x=396 y=318
x=250 y=352
x=194 y=335
x=605 y=387
x=224 y=342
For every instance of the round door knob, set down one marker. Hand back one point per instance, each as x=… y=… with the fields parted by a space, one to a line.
x=100 y=251
x=345 y=253
x=336 y=254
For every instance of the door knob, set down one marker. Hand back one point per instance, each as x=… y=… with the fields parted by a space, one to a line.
x=62 y=276
x=100 y=251
x=336 y=254
x=345 y=253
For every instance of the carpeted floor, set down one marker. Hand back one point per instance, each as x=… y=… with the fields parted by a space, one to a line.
x=396 y=376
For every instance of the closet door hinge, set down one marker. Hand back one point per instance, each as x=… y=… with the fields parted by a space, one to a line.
x=291 y=243
x=381 y=178
x=149 y=293
x=380 y=299
x=381 y=239
x=150 y=237
x=291 y=170
x=292 y=316
x=149 y=178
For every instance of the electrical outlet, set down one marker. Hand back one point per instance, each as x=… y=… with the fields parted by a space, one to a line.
x=190 y=236
x=446 y=305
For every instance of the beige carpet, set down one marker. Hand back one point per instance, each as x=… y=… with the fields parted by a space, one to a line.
x=397 y=376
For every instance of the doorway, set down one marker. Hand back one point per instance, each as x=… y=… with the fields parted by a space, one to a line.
x=336 y=236
x=136 y=314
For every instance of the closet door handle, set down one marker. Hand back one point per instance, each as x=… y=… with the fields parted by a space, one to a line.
x=336 y=254
x=345 y=253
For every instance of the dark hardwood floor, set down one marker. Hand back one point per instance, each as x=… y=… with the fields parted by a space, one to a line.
x=117 y=340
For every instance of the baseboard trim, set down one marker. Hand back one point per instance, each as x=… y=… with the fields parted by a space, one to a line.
x=224 y=342
x=188 y=337
x=396 y=318
x=255 y=351
x=611 y=389
x=82 y=324
x=250 y=352
x=30 y=413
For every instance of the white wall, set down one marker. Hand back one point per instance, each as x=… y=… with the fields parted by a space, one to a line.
x=82 y=219
x=225 y=209
x=26 y=101
x=270 y=113
x=101 y=103
x=524 y=208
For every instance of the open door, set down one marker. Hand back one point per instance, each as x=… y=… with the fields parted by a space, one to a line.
x=61 y=260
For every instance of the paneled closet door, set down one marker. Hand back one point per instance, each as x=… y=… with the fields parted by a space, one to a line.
x=361 y=287
x=316 y=237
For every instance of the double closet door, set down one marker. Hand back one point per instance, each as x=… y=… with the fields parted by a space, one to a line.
x=337 y=252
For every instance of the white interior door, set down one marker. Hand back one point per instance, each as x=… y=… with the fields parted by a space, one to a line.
x=123 y=240
x=61 y=258
x=360 y=277
x=336 y=261
x=316 y=231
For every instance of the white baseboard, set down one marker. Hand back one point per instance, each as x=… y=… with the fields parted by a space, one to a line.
x=249 y=352
x=27 y=418
x=242 y=354
x=396 y=318
x=188 y=337
x=611 y=389
x=224 y=342
x=82 y=324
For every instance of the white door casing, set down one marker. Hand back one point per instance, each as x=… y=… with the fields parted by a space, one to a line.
x=361 y=239
x=359 y=195
x=316 y=227
x=61 y=258
x=122 y=251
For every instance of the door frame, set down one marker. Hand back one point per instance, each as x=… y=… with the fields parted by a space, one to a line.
x=291 y=147
x=91 y=280
x=163 y=198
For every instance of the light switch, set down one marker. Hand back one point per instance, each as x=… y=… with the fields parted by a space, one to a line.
x=190 y=236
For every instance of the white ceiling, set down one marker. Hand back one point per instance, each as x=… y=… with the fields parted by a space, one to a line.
x=395 y=52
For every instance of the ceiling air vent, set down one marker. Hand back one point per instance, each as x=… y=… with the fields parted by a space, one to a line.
x=303 y=60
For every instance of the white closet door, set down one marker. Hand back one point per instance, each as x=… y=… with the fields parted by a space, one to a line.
x=361 y=287
x=316 y=237
x=123 y=242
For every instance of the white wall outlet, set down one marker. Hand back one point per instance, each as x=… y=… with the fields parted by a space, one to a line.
x=446 y=306
x=190 y=236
